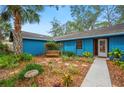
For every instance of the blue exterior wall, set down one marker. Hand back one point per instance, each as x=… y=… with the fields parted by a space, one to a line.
x=34 y=47
x=69 y=46
x=87 y=45
x=116 y=42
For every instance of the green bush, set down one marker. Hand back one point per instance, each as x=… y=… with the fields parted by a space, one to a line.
x=25 y=57
x=8 y=82
x=73 y=70
x=68 y=53
x=65 y=58
x=116 y=54
x=67 y=80
x=87 y=54
x=52 y=46
x=8 y=61
x=90 y=60
x=4 y=49
x=122 y=66
x=30 y=67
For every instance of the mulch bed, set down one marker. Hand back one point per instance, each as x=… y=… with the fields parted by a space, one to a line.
x=116 y=74
x=52 y=78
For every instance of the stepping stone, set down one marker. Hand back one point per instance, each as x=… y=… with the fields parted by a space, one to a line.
x=59 y=62
x=84 y=65
x=66 y=64
x=31 y=73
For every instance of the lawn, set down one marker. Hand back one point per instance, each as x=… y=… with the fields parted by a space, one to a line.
x=58 y=72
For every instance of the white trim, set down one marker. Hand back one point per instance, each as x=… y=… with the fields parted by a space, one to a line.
x=103 y=54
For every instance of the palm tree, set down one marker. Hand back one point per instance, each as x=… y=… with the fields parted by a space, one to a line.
x=20 y=14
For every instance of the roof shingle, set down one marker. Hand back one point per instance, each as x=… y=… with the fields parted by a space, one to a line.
x=111 y=30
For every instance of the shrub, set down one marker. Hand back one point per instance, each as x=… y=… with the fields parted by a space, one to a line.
x=88 y=54
x=8 y=61
x=116 y=54
x=122 y=66
x=67 y=80
x=90 y=60
x=30 y=67
x=73 y=70
x=52 y=46
x=25 y=57
x=57 y=71
x=68 y=53
x=65 y=58
x=4 y=49
x=8 y=82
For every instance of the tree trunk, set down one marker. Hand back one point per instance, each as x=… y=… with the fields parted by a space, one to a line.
x=17 y=35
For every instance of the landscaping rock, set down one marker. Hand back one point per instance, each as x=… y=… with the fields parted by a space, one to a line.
x=84 y=65
x=31 y=73
x=66 y=64
x=59 y=62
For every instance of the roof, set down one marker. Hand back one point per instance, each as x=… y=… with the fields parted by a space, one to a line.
x=29 y=35
x=101 y=32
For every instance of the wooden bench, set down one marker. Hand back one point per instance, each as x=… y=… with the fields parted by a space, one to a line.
x=52 y=53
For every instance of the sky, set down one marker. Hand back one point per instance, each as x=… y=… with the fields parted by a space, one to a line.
x=63 y=15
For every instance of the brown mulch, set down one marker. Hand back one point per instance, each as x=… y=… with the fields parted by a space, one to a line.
x=52 y=77
x=116 y=74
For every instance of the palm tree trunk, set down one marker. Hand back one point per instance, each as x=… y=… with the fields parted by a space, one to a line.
x=17 y=35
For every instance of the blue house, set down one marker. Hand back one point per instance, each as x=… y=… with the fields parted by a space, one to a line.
x=98 y=41
x=33 y=43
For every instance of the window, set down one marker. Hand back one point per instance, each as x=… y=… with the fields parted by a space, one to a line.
x=79 y=44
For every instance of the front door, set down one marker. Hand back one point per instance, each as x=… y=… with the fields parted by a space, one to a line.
x=102 y=47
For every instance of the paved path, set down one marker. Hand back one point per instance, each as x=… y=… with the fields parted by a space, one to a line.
x=98 y=75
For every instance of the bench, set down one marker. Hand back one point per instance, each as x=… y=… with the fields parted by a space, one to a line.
x=53 y=53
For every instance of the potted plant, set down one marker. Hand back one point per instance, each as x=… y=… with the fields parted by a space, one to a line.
x=52 y=49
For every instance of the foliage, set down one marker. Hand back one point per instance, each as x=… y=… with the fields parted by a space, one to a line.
x=12 y=60
x=85 y=16
x=110 y=15
x=8 y=61
x=122 y=66
x=30 y=67
x=90 y=60
x=68 y=53
x=8 y=82
x=73 y=70
x=5 y=27
x=65 y=58
x=76 y=58
x=57 y=28
x=25 y=57
x=20 y=14
x=116 y=54
x=67 y=80
x=4 y=49
x=51 y=65
x=87 y=54
x=57 y=71
x=52 y=46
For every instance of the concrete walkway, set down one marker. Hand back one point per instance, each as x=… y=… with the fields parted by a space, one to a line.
x=98 y=75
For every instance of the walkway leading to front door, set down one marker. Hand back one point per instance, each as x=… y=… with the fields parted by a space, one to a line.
x=98 y=75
